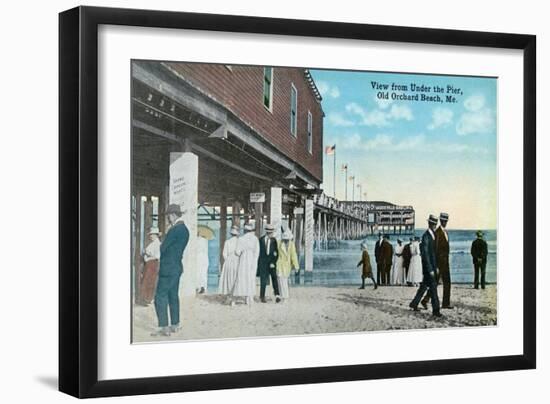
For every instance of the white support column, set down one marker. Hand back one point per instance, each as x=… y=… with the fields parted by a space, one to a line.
x=276 y=209
x=308 y=235
x=183 y=191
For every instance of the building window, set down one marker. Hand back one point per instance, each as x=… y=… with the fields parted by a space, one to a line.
x=293 y=110
x=309 y=132
x=268 y=87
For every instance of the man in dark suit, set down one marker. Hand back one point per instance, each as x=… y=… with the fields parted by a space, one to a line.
x=379 y=267
x=479 y=257
x=170 y=270
x=386 y=257
x=442 y=258
x=407 y=257
x=267 y=263
x=427 y=251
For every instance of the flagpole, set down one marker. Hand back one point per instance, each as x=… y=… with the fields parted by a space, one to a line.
x=334 y=175
x=346 y=179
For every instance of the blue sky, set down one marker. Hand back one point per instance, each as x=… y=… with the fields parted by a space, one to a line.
x=435 y=155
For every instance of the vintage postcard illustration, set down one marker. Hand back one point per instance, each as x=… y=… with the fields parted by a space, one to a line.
x=278 y=201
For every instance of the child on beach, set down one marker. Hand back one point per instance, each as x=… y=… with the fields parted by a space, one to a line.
x=367 y=269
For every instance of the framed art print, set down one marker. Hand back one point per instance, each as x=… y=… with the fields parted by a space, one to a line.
x=248 y=201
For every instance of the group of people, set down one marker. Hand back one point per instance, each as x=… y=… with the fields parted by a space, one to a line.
x=423 y=263
x=247 y=257
x=401 y=265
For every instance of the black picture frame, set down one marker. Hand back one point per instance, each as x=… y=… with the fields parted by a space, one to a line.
x=78 y=201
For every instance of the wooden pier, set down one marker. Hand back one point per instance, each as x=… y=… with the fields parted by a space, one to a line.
x=223 y=144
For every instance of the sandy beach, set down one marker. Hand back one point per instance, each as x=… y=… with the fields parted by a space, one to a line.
x=320 y=310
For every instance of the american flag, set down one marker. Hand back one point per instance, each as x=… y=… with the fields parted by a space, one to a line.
x=329 y=150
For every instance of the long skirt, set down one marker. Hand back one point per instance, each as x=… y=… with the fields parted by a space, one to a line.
x=245 y=283
x=283 y=286
x=229 y=275
x=398 y=272
x=415 y=270
x=149 y=280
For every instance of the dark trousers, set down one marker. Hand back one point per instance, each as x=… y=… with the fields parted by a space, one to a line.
x=430 y=284
x=167 y=298
x=379 y=270
x=264 y=279
x=386 y=275
x=444 y=275
x=479 y=267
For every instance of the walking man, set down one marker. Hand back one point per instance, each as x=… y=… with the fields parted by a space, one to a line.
x=267 y=263
x=442 y=259
x=170 y=270
x=479 y=257
x=427 y=252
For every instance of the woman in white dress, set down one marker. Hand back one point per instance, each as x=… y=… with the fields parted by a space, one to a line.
x=248 y=250
x=415 y=267
x=230 y=263
x=398 y=271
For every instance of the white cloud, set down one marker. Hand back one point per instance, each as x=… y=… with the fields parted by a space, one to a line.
x=441 y=117
x=374 y=117
x=474 y=102
x=481 y=121
x=351 y=141
x=337 y=119
x=401 y=112
x=416 y=143
x=334 y=92
x=379 y=141
x=327 y=90
x=382 y=103
x=410 y=143
x=379 y=117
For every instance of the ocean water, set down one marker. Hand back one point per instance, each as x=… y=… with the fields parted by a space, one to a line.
x=338 y=264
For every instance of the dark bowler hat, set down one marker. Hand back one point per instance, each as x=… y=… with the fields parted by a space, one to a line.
x=387 y=236
x=432 y=219
x=443 y=216
x=479 y=233
x=173 y=208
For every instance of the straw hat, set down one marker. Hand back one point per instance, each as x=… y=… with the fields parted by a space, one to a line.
x=287 y=235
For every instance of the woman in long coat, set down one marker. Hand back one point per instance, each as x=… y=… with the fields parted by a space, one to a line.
x=415 y=267
x=367 y=268
x=230 y=263
x=248 y=250
x=287 y=261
